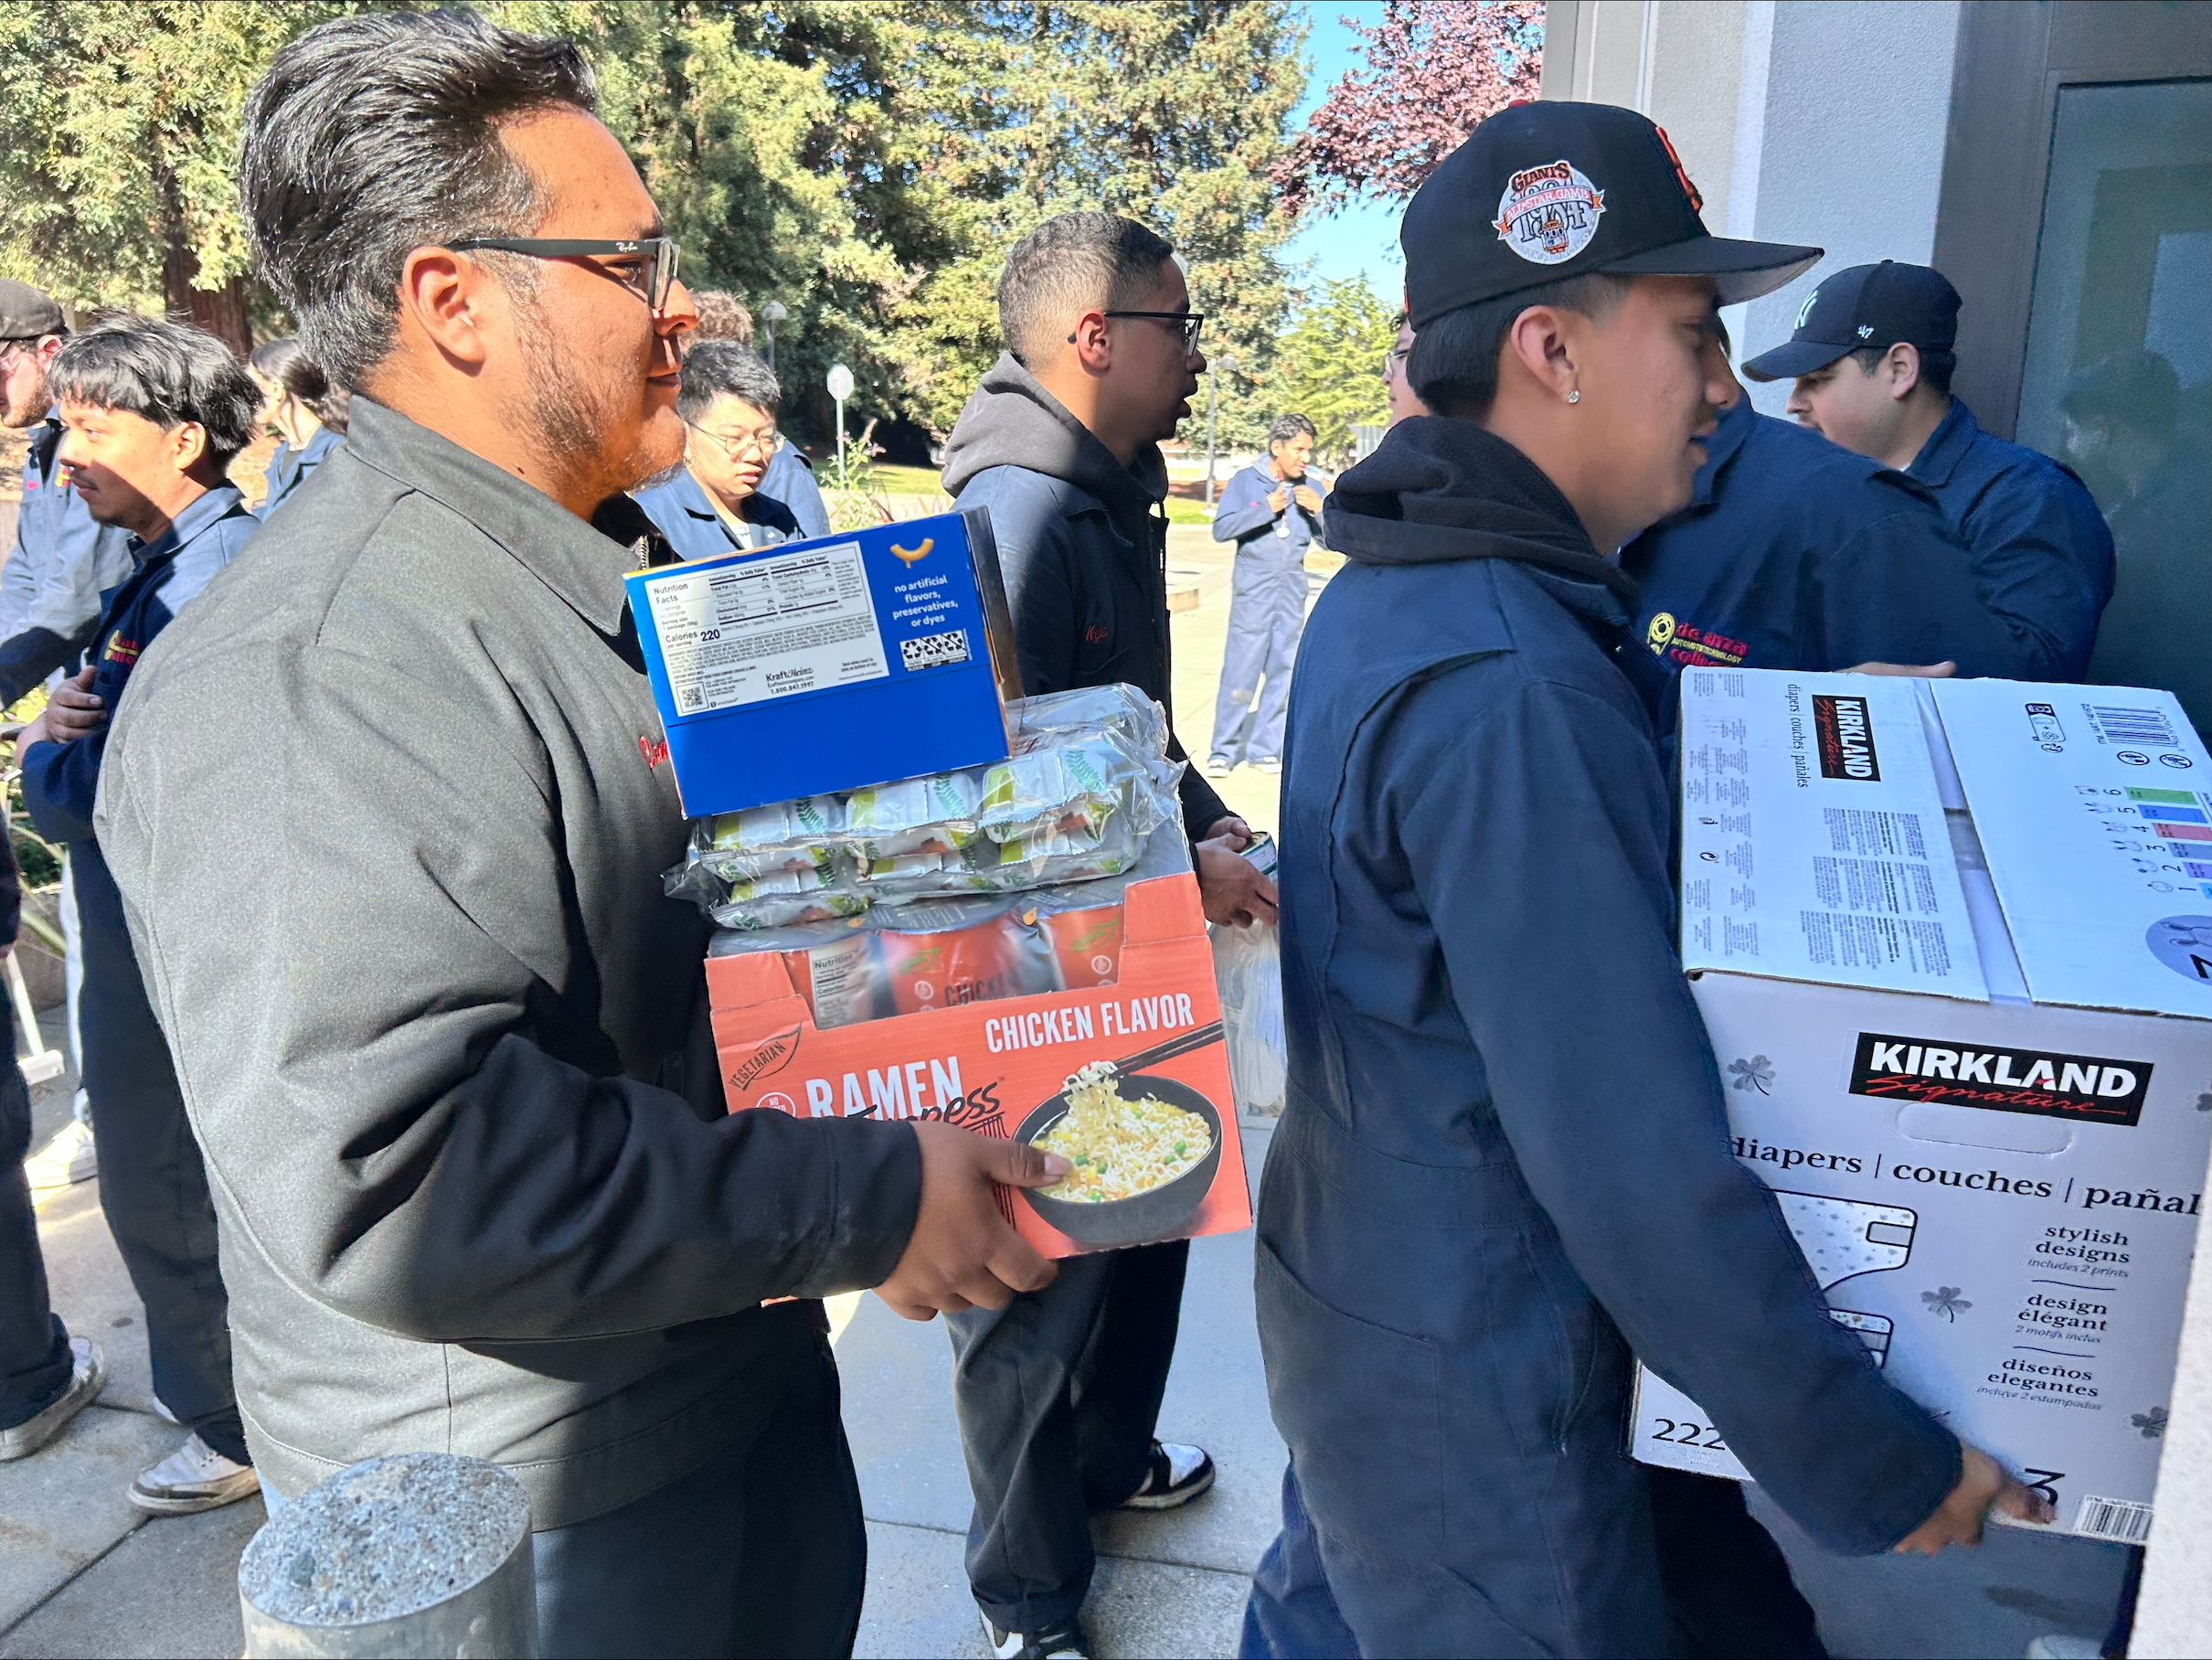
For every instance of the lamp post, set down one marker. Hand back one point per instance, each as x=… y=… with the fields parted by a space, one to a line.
x=1226 y=361
x=772 y=314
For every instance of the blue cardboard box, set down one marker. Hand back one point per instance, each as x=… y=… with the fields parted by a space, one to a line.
x=831 y=665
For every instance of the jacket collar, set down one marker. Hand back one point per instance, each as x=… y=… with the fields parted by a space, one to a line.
x=205 y=512
x=583 y=563
x=1947 y=445
x=1735 y=423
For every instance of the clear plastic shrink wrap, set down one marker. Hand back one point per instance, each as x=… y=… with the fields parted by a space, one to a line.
x=1248 y=972
x=1087 y=781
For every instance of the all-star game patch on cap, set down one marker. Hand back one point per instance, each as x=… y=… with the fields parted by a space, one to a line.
x=1866 y=306
x=1542 y=192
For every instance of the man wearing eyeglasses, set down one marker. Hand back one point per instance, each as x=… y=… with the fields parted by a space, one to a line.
x=1058 y=1392
x=443 y=1041
x=713 y=504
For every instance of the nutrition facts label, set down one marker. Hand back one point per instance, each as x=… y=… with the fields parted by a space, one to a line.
x=768 y=628
x=1813 y=846
x=2094 y=805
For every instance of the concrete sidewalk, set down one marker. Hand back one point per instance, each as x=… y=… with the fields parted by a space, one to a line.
x=83 y=1574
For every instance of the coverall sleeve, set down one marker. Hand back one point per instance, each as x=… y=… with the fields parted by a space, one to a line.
x=1242 y=512
x=2044 y=565
x=1903 y=591
x=1538 y=848
x=356 y=1025
x=802 y=496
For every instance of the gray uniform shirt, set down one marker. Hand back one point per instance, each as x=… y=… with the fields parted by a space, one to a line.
x=388 y=810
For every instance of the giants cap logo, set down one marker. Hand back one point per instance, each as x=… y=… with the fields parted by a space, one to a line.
x=1548 y=214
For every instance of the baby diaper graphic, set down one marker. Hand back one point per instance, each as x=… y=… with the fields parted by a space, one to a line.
x=1843 y=1239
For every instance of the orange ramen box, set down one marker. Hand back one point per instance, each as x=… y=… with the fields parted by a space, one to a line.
x=1129 y=1078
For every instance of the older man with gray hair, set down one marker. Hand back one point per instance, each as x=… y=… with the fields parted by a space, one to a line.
x=446 y=1046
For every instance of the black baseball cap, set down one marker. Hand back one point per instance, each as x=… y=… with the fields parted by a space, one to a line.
x=1866 y=306
x=1541 y=192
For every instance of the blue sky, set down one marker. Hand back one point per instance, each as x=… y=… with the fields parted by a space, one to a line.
x=1362 y=238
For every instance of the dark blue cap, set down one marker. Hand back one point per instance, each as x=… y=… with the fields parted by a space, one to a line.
x=1541 y=192
x=1867 y=307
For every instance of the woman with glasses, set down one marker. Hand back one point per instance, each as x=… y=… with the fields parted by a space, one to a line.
x=713 y=504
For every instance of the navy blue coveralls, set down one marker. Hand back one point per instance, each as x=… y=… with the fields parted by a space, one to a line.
x=1266 y=612
x=789 y=479
x=680 y=508
x=1796 y=553
x=2041 y=553
x=289 y=468
x=63 y=560
x=1504 y=1163
x=153 y=1184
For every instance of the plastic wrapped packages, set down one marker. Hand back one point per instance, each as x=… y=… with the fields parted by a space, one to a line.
x=1248 y=972
x=782 y=898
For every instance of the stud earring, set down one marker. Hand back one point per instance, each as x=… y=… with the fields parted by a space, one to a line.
x=1575 y=395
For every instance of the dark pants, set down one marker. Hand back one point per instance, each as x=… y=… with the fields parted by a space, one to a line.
x=1729 y=1595
x=153 y=1184
x=1059 y=1394
x=760 y=1550
x=36 y=1364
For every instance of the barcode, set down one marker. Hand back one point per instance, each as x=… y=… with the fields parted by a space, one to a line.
x=2148 y=727
x=934 y=651
x=2113 y=1518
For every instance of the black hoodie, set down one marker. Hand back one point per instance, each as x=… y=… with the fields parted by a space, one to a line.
x=1083 y=544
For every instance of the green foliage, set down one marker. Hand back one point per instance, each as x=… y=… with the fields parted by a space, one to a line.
x=1331 y=361
x=864 y=162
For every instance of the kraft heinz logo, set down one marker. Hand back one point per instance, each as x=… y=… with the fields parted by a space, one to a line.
x=1847 y=739
x=2085 y=1087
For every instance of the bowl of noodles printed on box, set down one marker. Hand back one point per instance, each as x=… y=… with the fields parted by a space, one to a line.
x=1143 y=1149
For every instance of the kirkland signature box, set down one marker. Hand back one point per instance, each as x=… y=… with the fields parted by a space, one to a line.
x=852 y=660
x=1142 y=1012
x=1954 y=944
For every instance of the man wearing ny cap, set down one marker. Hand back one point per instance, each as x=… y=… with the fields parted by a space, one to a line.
x=1872 y=359
x=1504 y=1166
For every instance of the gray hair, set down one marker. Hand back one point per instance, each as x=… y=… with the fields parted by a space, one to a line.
x=373 y=135
x=1286 y=427
x=723 y=369
x=170 y=373
x=1065 y=267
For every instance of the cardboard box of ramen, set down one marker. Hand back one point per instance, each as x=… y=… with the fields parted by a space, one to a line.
x=1123 y=1071
x=1954 y=944
x=809 y=668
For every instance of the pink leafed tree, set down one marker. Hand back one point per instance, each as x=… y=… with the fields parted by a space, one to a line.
x=1435 y=68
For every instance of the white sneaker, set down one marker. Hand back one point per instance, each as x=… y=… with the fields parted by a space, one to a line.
x=69 y=1159
x=1176 y=1475
x=87 y=1378
x=195 y=1477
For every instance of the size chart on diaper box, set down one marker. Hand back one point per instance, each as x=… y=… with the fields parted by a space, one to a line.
x=1814 y=844
x=2094 y=805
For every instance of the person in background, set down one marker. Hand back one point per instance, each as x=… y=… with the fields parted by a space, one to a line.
x=1272 y=511
x=46 y=1377
x=790 y=477
x=1404 y=401
x=1872 y=360
x=2152 y=477
x=450 y=1056
x=302 y=407
x=1504 y=1168
x=62 y=561
x=1059 y=1393
x=714 y=503
x=152 y=413
x=1794 y=552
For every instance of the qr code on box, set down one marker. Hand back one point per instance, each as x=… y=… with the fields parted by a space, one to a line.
x=934 y=651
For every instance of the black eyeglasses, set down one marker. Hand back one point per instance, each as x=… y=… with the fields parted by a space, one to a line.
x=1190 y=323
x=1393 y=357
x=652 y=279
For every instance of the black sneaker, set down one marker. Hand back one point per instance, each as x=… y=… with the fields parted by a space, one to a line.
x=1177 y=1475
x=1061 y=1641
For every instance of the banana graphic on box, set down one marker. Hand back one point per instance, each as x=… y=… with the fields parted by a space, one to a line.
x=1843 y=1239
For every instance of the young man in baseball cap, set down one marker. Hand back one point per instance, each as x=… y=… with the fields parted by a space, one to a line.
x=1505 y=1166
x=1873 y=358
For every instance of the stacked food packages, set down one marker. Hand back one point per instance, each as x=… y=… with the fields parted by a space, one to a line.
x=992 y=881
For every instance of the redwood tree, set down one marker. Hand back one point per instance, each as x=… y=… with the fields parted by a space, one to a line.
x=1435 y=68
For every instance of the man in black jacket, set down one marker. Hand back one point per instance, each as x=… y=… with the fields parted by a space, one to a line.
x=1059 y=1391
x=445 y=1046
